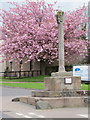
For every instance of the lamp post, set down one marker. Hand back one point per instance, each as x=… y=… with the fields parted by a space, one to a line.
x=60 y=21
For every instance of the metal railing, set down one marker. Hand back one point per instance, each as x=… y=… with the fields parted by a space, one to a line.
x=20 y=74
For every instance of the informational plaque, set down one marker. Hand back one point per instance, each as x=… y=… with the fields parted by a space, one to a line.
x=68 y=80
x=83 y=71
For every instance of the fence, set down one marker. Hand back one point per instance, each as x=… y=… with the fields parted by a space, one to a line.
x=20 y=74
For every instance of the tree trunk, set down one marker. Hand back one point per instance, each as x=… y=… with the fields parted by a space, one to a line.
x=42 y=67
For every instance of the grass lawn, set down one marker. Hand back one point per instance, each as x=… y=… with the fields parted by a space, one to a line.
x=33 y=83
x=36 y=85
x=30 y=79
x=25 y=85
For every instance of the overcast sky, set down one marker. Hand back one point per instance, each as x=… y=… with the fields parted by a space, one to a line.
x=64 y=5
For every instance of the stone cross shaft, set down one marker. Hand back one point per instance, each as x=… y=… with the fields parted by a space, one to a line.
x=60 y=21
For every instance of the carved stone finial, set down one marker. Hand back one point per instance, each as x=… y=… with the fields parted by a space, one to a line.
x=59 y=16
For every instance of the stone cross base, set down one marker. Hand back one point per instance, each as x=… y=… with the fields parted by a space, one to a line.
x=62 y=83
x=61 y=90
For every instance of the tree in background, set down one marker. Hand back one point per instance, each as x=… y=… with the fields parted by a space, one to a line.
x=75 y=35
x=30 y=31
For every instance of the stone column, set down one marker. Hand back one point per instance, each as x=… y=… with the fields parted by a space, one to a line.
x=60 y=22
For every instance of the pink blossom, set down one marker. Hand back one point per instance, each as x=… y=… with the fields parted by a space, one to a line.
x=31 y=31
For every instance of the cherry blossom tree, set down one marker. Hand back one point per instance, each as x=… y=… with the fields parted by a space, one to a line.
x=30 y=31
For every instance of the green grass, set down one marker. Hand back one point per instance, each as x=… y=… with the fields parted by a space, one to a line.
x=85 y=87
x=36 y=85
x=25 y=85
x=31 y=79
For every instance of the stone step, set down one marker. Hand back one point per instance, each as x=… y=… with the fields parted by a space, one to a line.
x=69 y=93
x=56 y=102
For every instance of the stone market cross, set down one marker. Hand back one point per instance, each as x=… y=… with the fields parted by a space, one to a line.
x=62 y=89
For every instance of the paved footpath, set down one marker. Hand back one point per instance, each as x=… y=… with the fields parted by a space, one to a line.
x=21 y=110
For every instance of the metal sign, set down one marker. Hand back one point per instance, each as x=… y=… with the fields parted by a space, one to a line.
x=68 y=80
x=83 y=71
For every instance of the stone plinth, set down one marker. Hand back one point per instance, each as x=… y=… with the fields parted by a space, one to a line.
x=58 y=83
x=58 y=93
